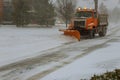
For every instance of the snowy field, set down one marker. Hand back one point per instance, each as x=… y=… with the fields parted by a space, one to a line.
x=21 y=43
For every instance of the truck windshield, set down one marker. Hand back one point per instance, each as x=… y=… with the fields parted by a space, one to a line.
x=83 y=14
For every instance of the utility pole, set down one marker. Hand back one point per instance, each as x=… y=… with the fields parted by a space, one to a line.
x=96 y=5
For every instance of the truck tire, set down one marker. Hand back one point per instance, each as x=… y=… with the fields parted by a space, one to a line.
x=100 y=34
x=91 y=34
x=103 y=32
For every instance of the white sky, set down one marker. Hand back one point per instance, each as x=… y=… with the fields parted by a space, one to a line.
x=90 y=3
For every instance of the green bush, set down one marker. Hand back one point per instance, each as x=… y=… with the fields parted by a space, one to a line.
x=113 y=75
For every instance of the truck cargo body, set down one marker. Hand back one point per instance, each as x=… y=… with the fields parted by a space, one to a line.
x=103 y=19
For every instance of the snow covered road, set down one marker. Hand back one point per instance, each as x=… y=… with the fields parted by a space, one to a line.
x=104 y=57
x=64 y=52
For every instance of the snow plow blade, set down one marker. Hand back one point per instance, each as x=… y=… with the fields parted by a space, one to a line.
x=74 y=33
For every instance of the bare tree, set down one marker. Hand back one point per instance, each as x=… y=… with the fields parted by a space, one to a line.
x=103 y=9
x=65 y=9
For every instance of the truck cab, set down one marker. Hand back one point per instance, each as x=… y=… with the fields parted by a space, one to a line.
x=84 y=20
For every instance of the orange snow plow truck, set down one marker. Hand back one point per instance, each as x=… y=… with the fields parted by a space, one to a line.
x=87 y=22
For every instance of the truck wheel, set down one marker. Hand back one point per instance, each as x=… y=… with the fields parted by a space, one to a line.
x=103 y=32
x=100 y=34
x=91 y=34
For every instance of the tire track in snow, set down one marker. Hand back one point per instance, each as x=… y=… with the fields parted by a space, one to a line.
x=86 y=51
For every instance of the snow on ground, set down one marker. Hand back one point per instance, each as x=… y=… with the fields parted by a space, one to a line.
x=21 y=43
x=96 y=62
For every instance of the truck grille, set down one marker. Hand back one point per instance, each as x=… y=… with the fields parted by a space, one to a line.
x=79 y=24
